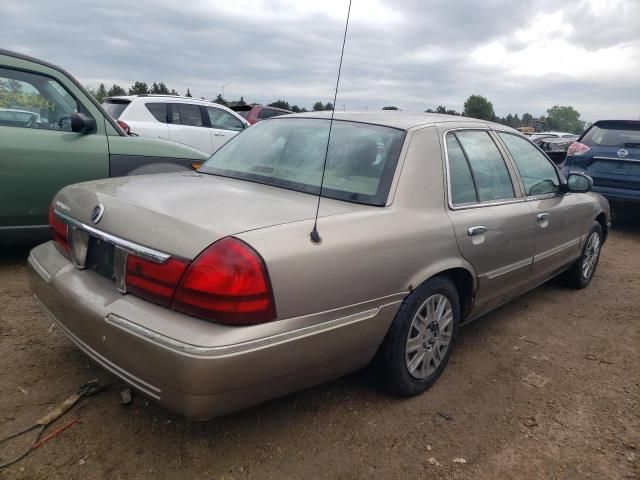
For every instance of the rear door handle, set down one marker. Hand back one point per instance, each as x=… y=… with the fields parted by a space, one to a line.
x=477 y=230
x=541 y=217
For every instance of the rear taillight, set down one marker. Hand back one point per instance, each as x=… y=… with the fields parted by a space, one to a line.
x=227 y=283
x=124 y=126
x=155 y=282
x=577 y=148
x=58 y=232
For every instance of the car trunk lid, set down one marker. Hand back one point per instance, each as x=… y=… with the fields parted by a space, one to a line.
x=181 y=214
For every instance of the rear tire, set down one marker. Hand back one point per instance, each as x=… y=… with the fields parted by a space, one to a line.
x=419 y=342
x=581 y=273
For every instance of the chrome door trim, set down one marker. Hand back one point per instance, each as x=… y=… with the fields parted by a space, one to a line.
x=507 y=269
x=618 y=159
x=556 y=250
x=131 y=247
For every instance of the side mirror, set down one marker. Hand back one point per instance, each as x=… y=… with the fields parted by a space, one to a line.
x=81 y=123
x=579 y=183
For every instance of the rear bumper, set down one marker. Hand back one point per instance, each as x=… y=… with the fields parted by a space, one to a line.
x=619 y=194
x=202 y=380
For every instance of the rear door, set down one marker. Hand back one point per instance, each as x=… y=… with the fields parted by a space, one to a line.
x=560 y=219
x=493 y=224
x=223 y=126
x=187 y=126
x=613 y=158
x=39 y=154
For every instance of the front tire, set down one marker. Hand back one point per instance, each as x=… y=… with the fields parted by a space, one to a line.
x=582 y=271
x=420 y=340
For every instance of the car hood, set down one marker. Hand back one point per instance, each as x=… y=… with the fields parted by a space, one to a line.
x=183 y=213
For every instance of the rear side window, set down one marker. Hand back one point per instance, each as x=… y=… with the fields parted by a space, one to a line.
x=115 y=108
x=538 y=174
x=613 y=134
x=29 y=100
x=490 y=174
x=223 y=120
x=463 y=190
x=158 y=110
x=186 y=114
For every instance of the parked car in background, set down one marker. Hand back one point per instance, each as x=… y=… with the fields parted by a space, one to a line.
x=217 y=298
x=255 y=113
x=53 y=133
x=555 y=148
x=609 y=152
x=535 y=136
x=201 y=124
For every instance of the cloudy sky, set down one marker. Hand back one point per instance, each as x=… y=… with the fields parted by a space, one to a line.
x=524 y=55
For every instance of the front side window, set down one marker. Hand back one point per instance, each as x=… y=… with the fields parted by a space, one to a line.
x=224 y=120
x=538 y=175
x=290 y=153
x=186 y=114
x=29 y=100
x=490 y=174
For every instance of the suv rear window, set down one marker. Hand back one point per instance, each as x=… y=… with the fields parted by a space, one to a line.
x=115 y=107
x=619 y=134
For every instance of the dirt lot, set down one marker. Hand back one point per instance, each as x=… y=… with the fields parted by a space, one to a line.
x=546 y=387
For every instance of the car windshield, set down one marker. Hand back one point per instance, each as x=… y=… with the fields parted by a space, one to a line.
x=290 y=153
x=115 y=109
x=613 y=134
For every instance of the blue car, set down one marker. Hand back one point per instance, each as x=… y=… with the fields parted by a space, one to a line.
x=609 y=152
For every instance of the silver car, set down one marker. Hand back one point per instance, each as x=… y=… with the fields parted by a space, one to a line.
x=204 y=290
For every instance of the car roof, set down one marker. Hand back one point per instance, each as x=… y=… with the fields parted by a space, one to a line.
x=395 y=119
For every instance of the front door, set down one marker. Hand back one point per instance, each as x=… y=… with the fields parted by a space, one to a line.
x=39 y=154
x=224 y=126
x=559 y=217
x=494 y=225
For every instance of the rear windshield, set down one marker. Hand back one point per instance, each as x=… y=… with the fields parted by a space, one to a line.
x=115 y=108
x=290 y=153
x=613 y=134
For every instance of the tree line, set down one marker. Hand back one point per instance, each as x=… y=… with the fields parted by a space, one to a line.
x=561 y=118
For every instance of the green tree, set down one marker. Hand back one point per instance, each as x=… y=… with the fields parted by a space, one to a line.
x=526 y=119
x=390 y=107
x=430 y=110
x=174 y=92
x=115 y=91
x=295 y=109
x=328 y=106
x=139 y=88
x=478 y=106
x=318 y=106
x=188 y=94
x=564 y=119
x=241 y=102
x=101 y=93
x=280 y=104
x=220 y=100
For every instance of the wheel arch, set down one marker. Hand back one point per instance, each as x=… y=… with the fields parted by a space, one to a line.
x=602 y=220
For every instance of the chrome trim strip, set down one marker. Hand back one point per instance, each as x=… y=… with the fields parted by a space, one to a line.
x=618 y=159
x=260 y=343
x=131 y=247
x=508 y=269
x=23 y=227
x=151 y=390
x=37 y=266
x=556 y=250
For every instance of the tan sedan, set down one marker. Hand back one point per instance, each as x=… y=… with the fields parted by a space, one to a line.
x=205 y=291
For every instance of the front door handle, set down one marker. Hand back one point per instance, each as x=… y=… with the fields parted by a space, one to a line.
x=219 y=135
x=477 y=230
x=541 y=217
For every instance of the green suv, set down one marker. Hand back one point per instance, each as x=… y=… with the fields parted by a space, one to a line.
x=54 y=133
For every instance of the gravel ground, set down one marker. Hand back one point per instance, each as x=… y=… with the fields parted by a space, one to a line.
x=546 y=387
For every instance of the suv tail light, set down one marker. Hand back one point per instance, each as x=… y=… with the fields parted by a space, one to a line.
x=59 y=232
x=577 y=148
x=124 y=126
x=227 y=283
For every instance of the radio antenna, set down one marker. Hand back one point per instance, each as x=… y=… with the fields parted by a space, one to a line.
x=315 y=236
